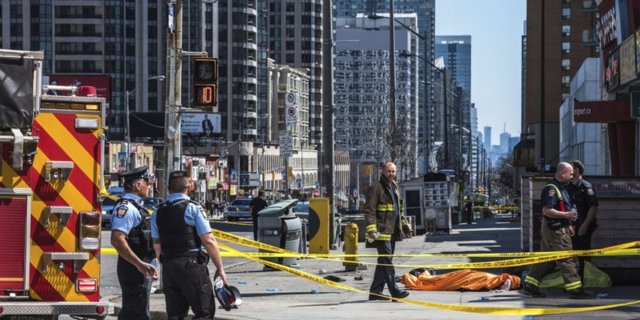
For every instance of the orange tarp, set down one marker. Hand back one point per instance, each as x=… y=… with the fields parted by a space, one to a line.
x=462 y=279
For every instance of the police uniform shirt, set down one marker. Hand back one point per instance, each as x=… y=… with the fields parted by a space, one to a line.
x=193 y=216
x=126 y=216
x=550 y=198
x=584 y=197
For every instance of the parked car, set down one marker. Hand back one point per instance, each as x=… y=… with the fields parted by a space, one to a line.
x=301 y=209
x=152 y=203
x=238 y=209
x=108 y=204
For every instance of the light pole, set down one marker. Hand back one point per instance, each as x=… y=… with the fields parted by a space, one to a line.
x=446 y=93
x=127 y=128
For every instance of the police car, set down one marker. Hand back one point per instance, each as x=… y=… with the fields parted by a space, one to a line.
x=238 y=209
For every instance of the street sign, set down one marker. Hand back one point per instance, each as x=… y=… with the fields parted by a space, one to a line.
x=291 y=99
x=292 y=115
x=249 y=180
x=286 y=144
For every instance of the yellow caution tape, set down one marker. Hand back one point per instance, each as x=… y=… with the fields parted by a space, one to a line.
x=470 y=265
x=276 y=252
x=246 y=224
x=621 y=252
x=474 y=309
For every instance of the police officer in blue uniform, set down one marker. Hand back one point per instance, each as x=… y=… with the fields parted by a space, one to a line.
x=130 y=224
x=180 y=232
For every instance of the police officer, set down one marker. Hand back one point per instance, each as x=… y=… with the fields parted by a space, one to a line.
x=556 y=236
x=180 y=232
x=584 y=197
x=129 y=225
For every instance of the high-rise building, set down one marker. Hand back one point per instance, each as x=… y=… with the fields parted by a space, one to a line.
x=504 y=142
x=425 y=10
x=295 y=39
x=361 y=85
x=560 y=35
x=114 y=45
x=487 y=138
x=456 y=51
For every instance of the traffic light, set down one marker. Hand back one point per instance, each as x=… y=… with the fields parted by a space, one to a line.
x=290 y=171
x=205 y=82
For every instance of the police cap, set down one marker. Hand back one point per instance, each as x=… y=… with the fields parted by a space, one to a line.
x=137 y=173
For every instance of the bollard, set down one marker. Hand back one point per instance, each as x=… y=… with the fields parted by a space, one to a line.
x=350 y=246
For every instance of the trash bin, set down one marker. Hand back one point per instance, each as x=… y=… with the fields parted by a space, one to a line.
x=278 y=226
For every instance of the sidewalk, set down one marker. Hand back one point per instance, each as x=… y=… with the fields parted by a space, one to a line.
x=280 y=295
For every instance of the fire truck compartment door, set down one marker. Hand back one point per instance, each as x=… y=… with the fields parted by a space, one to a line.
x=15 y=208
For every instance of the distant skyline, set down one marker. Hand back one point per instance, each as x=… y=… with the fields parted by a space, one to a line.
x=496 y=28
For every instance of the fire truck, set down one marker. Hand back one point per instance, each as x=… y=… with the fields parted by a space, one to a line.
x=51 y=180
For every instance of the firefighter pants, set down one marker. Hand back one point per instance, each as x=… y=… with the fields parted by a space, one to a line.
x=385 y=273
x=135 y=292
x=556 y=240
x=187 y=284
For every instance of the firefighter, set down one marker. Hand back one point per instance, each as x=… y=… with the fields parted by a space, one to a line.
x=556 y=236
x=383 y=215
x=183 y=242
x=129 y=231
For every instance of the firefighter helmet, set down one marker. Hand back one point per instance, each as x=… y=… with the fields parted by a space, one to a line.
x=228 y=296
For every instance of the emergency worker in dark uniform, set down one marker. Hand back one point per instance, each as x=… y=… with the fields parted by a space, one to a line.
x=584 y=198
x=556 y=236
x=129 y=236
x=383 y=215
x=180 y=232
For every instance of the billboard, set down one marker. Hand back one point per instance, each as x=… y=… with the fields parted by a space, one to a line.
x=202 y=124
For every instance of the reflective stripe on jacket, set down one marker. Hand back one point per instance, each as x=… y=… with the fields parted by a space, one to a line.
x=379 y=211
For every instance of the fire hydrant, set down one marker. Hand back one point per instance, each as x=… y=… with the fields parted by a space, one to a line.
x=350 y=246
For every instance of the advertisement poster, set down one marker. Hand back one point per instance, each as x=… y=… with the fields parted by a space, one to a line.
x=628 y=60
x=201 y=124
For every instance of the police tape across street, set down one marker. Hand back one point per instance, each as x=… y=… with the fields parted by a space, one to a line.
x=625 y=249
x=530 y=258
x=452 y=307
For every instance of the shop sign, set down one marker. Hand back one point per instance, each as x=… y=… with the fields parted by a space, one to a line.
x=628 y=60
x=607 y=23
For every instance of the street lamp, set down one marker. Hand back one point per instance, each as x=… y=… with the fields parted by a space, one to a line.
x=127 y=129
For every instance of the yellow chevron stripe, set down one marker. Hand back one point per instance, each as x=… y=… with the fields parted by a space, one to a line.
x=58 y=279
x=72 y=147
x=64 y=236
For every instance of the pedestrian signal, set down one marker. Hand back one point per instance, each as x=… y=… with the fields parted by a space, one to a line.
x=205 y=82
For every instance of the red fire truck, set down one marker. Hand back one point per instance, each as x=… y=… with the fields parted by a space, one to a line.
x=52 y=145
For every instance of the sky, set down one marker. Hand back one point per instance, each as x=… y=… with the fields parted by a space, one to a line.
x=496 y=28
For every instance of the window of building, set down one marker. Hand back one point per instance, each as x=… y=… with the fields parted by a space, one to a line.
x=589 y=5
x=566 y=81
x=566 y=13
x=566 y=47
x=565 y=96
x=566 y=64
x=566 y=30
